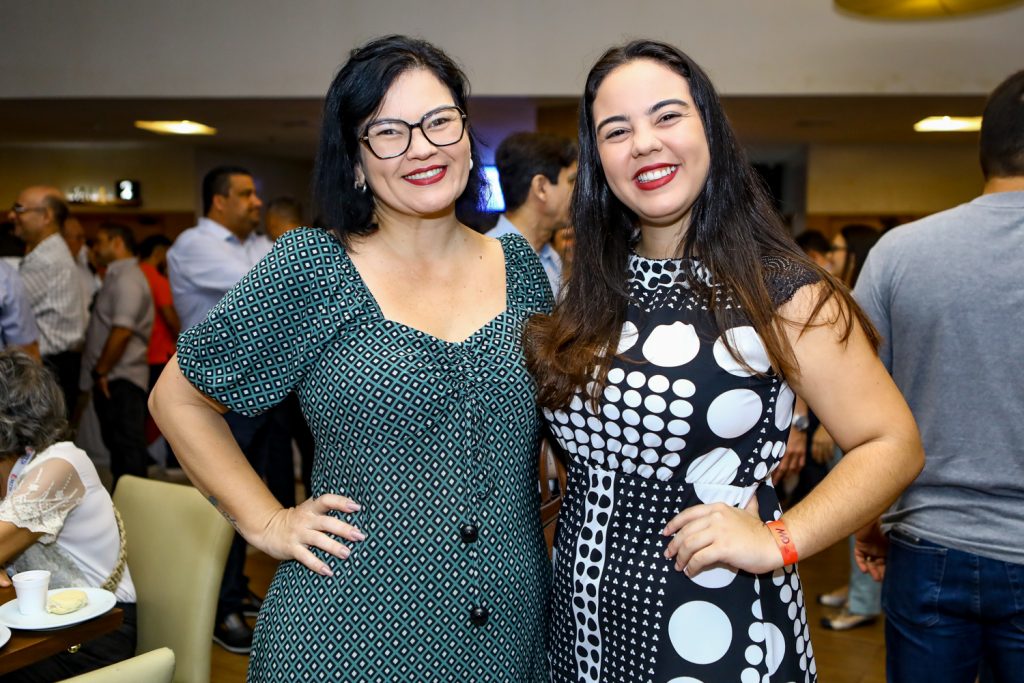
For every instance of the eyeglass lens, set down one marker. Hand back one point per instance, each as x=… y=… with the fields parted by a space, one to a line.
x=391 y=138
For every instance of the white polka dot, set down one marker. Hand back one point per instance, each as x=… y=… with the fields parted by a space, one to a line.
x=671 y=460
x=655 y=404
x=596 y=440
x=756 y=632
x=612 y=428
x=784 y=407
x=749 y=676
x=791 y=611
x=681 y=408
x=654 y=423
x=645 y=471
x=800 y=646
x=610 y=411
x=628 y=466
x=684 y=679
x=658 y=384
x=594 y=424
x=794 y=581
x=629 y=451
x=613 y=462
x=649 y=456
x=748 y=345
x=683 y=388
x=715 y=467
x=760 y=471
x=632 y=398
x=675 y=444
x=616 y=375
x=571 y=447
x=631 y=435
x=560 y=416
x=636 y=379
x=581 y=436
x=548 y=414
x=679 y=427
x=652 y=440
x=717 y=577
x=614 y=445
x=778 y=449
x=664 y=473
x=766 y=450
x=778 y=577
x=630 y=417
x=628 y=337
x=717 y=493
x=754 y=655
x=576 y=403
x=800 y=598
x=755 y=609
x=700 y=632
x=577 y=419
x=612 y=393
x=734 y=413
x=670 y=346
x=598 y=457
x=775 y=645
x=566 y=432
x=584 y=450
x=786 y=594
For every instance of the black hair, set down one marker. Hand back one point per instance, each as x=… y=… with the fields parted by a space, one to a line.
x=733 y=229
x=354 y=96
x=1002 y=130
x=859 y=239
x=122 y=231
x=287 y=207
x=217 y=181
x=522 y=156
x=150 y=244
x=812 y=240
x=31 y=405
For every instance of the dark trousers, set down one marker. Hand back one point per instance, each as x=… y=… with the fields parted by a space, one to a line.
x=284 y=423
x=122 y=419
x=66 y=367
x=234 y=587
x=94 y=654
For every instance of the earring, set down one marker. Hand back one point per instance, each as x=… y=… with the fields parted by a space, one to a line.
x=361 y=186
x=471 y=163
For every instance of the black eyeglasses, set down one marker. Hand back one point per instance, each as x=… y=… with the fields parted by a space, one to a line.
x=390 y=138
x=21 y=208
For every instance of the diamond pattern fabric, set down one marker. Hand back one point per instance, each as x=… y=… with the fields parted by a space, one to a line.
x=428 y=436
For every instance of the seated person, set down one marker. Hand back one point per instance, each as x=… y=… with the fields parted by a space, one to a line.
x=55 y=513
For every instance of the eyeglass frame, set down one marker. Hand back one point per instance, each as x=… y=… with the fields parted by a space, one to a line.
x=365 y=138
x=18 y=208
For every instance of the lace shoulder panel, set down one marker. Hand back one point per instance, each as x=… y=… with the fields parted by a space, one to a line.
x=783 y=277
x=43 y=497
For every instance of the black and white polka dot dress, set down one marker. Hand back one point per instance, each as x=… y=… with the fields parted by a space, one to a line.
x=680 y=423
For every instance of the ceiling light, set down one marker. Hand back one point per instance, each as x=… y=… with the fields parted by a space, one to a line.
x=948 y=124
x=920 y=9
x=176 y=127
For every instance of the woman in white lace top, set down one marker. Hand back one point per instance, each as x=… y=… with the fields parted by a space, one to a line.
x=55 y=513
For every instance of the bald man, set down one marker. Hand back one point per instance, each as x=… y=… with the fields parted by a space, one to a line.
x=51 y=283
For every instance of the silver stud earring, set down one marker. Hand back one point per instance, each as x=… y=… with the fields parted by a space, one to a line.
x=470 y=164
x=361 y=186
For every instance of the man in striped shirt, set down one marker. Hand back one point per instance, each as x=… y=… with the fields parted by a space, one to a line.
x=51 y=284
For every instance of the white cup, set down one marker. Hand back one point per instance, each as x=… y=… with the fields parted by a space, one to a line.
x=31 y=587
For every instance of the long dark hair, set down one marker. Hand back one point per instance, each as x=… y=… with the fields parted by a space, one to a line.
x=355 y=95
x=733 y=229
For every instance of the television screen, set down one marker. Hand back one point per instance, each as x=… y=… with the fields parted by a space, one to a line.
x=495 y=200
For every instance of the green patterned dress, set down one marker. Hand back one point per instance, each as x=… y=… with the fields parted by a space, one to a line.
x=437 y=441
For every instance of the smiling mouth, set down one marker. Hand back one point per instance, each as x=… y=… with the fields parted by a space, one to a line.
x=655 y=174
x=426 y=176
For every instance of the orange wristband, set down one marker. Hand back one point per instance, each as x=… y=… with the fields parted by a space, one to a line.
x=783 y=540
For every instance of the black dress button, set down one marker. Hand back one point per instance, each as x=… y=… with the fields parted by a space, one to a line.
x=468 y=532
x=478 y=615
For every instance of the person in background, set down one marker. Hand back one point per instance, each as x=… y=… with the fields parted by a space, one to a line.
x=17 y=326
x=859 y=601
x=667 y=373
x=420 y=556
x=51 y=284
x=114 y=364
x=817 y=247
x=56 y=515
x=282 y=214
x=946 y=293
x=563 y=242
x=537 y=172
x=74 y=236
x=203 y=264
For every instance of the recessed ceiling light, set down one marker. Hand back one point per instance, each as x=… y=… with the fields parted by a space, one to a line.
x=176 y=127
x=948 y=124
x=921 y=9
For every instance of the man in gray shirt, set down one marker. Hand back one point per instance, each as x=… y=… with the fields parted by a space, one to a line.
x=115 y=364
x=946 y=293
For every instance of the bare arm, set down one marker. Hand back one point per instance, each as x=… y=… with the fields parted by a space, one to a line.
x=851 y=392
x=170 y=317
x=211 y=458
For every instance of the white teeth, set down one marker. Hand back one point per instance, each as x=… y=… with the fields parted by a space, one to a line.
x=656 y=173
x=426 y=174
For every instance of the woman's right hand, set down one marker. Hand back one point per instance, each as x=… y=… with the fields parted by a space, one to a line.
x=292 y=532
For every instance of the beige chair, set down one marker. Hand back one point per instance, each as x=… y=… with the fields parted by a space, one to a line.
x=177 y=546
x=153 y=667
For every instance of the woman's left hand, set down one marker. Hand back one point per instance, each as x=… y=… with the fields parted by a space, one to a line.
x=707 y=535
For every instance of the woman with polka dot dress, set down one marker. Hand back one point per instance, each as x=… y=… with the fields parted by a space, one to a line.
x=667 y=375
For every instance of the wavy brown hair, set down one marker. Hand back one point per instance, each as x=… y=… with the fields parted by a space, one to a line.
x=733 y=228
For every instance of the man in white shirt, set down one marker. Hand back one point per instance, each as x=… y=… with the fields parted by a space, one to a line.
x=537 y=172
x=202 y=265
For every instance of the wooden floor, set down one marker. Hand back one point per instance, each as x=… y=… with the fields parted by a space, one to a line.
x=856 y=656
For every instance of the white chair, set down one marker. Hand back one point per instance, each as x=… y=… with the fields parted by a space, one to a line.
x=153 y=667
x=177 y=546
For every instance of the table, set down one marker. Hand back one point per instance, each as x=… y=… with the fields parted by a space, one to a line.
x=29 y=647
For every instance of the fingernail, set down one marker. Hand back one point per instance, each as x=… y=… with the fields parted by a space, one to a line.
x=345 y=552
x=354 y=506
x=360 y=536
x=326 y=571
x=686 y=570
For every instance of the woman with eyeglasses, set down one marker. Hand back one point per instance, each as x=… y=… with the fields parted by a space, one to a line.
x=667 y=373
x=421 y=555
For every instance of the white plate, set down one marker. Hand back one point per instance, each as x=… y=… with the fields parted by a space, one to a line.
x=100 y=601
x=5 y=635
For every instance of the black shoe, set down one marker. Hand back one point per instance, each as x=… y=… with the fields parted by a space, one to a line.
x=233 y=634
x=251 y=605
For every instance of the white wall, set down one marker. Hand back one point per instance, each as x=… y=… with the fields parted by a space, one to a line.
x=235 y=48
